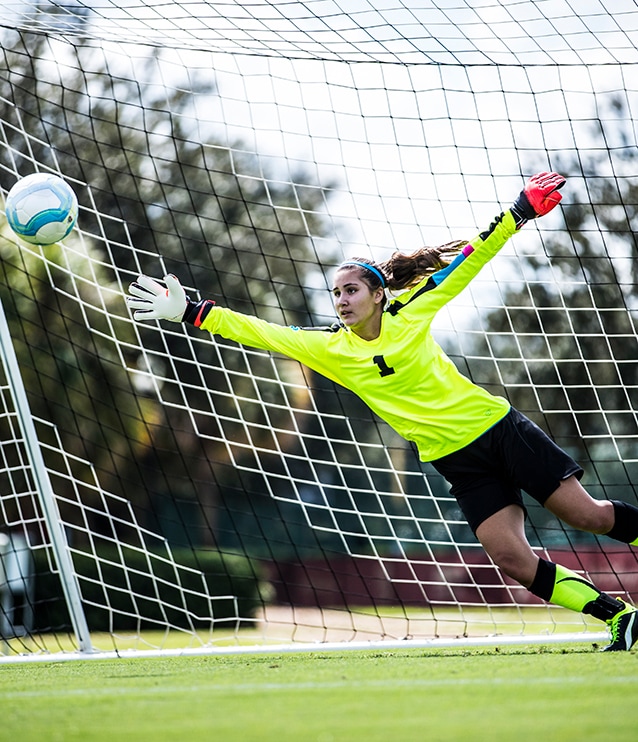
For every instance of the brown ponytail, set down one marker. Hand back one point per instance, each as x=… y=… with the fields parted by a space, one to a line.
x=404 y=270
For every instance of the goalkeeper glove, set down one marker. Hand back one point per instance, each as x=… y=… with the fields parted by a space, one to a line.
x=538 y=198
x=150 y=300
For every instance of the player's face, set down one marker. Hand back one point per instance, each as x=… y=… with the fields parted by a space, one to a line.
x=358 y=306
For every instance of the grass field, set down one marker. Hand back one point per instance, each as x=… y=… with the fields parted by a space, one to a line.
x=544 y=694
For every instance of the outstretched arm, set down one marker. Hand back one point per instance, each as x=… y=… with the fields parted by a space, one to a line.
x=150 y=299
x=538 y=198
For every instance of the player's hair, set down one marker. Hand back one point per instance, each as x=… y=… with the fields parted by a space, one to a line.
x=403 y=270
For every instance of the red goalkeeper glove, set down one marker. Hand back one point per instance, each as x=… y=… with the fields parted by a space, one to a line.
x=538 y=198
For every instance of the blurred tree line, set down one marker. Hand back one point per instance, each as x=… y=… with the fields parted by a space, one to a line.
x=210 y=211
x=244 y=236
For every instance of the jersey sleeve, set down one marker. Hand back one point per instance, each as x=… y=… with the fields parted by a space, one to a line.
x=310 y=347
x=444 y=285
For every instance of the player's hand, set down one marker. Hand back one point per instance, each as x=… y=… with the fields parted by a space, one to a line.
x=149 y=299
x=539 y=197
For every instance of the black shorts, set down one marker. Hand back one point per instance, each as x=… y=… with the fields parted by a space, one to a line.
x=513 y=455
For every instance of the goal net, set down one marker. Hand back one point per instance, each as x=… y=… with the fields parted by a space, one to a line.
x=166 y=490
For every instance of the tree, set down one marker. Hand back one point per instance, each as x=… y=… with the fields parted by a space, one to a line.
x=195 y=203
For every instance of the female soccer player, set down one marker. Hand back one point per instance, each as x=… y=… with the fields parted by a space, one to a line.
x=487 y=450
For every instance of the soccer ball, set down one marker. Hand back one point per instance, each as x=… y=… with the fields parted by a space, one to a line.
x=41 y=209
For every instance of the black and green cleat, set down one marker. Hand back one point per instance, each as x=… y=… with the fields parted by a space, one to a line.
x=624 y=630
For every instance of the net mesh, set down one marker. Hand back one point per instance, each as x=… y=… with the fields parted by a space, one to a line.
x=211 y=493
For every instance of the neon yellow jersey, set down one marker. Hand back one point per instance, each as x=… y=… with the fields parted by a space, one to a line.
x=403 y=375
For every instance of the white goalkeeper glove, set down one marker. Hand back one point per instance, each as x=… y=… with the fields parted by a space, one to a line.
x=149 y=299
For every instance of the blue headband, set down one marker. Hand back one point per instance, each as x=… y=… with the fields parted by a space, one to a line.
x=368 y=267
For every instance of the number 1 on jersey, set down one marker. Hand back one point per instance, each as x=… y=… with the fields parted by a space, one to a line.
x=384 y=369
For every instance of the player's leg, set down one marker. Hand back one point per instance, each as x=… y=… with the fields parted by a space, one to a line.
x=616 y=519
x=576 y=507
x=552 y=477
x=502 y=535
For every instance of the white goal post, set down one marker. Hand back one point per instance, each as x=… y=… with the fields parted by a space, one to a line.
x=174 y=492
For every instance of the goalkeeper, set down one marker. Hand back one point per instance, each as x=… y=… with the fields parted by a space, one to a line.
x=487 y=450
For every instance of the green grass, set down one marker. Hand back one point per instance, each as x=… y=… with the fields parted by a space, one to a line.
x=544 y=694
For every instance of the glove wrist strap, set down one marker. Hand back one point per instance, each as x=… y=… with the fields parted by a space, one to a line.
x=197 y=311
x=522 y=210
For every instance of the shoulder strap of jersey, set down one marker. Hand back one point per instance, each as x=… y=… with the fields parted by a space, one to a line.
x=395 y=306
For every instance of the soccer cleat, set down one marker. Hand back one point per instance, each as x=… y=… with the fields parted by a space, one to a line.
x=624 y=630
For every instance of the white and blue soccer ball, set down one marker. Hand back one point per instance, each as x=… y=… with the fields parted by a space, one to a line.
x=41 y=209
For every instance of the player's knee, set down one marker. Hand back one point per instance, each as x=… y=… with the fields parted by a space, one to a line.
x=514 y=566
x=575 y=507
x=597 y=518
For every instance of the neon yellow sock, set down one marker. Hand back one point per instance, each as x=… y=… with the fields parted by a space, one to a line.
x=572 y=591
